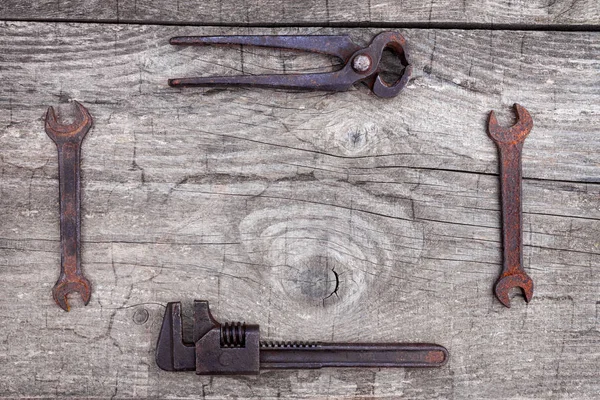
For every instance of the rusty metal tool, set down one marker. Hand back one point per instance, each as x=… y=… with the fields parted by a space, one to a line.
x=68 y=140
x=361 y=64
x=236 y=349
x=510 y=145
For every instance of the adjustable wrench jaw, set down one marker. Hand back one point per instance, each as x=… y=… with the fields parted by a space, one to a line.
x=241 y=357
x=218 y=349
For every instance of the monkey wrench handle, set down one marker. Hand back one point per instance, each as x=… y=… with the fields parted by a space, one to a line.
x=363 y=355
x=510 y=145
x=68 y=139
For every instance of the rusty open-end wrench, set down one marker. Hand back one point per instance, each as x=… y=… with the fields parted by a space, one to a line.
x=68 y=140
x=510 y=143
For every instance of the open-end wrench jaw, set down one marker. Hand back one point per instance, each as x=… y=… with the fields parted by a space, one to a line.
x=64 y=287
x=506 y=283
x=516 y=133
x=73 y=132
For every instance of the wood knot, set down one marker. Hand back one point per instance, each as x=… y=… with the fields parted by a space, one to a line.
x=358 y=138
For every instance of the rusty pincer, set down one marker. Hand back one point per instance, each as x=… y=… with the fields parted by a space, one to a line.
x=361 y=64
x=510 y=144
x=68 y=140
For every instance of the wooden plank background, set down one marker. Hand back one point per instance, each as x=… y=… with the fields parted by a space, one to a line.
x=256 y=199
x=489 y=13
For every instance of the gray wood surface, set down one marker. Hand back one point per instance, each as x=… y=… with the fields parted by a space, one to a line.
x=555 y=13
x=251 y=199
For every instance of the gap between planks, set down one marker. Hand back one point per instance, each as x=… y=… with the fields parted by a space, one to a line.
x=349 y=25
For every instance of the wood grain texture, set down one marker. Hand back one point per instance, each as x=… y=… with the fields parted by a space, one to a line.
x=252 y=198
x=559 y=13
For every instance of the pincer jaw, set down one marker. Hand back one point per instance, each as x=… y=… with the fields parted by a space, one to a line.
x=61 y=290
x=505 y=284
x=384 y=90
x=75 y=131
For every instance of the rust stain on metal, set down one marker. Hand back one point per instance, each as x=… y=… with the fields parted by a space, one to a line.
x=236 y=349
x=68 y=139
x=360 y=64
x=510 y=145
x=435 y=357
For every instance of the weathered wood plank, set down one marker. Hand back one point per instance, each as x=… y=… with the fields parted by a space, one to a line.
x=249 y=198
x=559 y=13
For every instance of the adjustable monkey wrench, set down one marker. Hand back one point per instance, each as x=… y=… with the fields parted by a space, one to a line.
x=236 y=349
x=68 y=140
x=510 y=144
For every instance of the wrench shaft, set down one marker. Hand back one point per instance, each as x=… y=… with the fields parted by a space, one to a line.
x=512 y=229
x=70 y=200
